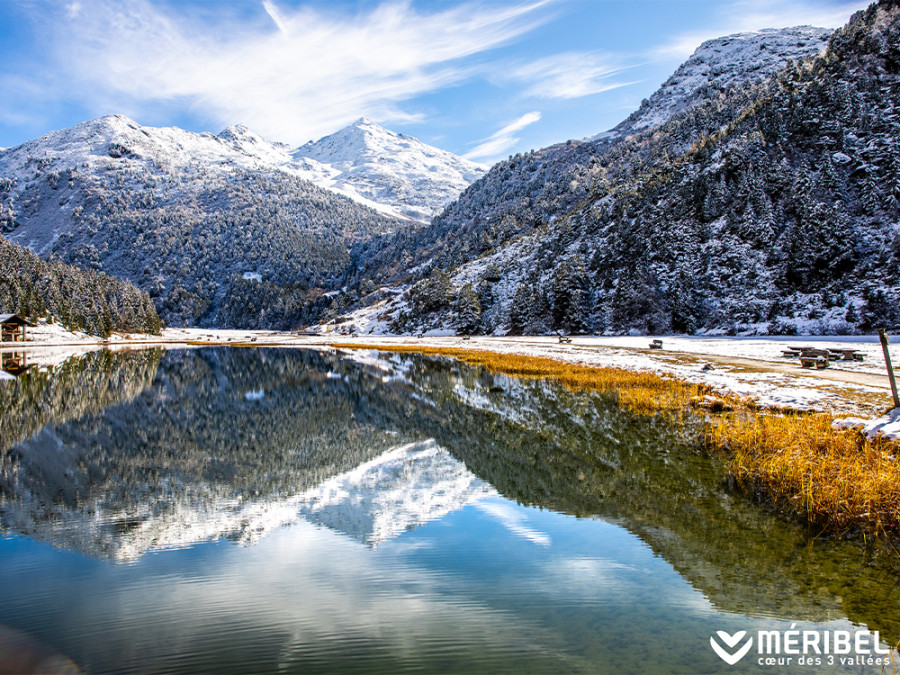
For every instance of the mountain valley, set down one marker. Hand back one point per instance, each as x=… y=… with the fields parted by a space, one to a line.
x=754 y=192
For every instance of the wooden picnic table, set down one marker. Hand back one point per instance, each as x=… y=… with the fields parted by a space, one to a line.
x=813 y=361
x=797 y=351
x=851 y=355
x=831 y=353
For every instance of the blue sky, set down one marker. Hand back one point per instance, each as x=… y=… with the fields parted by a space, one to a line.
x=481 y=79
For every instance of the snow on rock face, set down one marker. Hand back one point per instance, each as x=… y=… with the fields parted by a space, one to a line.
x=395 y=174
x=108 y=141
x=372 y=164
x=246 y=141
x=722 y=62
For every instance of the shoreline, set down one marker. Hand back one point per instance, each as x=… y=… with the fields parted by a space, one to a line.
x=731 y=366
x=810 y=466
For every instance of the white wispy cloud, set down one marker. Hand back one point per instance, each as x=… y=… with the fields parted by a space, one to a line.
x=743 y=16
x=570 y=75
x=503 y=139
x=514 y=520
x=290 y=73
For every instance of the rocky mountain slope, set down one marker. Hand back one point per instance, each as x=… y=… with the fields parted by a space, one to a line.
x=719 y=64
x=768 y=207
x=208 y=226
x=530 y=189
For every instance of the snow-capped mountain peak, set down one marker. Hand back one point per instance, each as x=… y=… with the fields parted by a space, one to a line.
x=719 y=63
x=373 y=164
x=361 y=138
x=390 y=172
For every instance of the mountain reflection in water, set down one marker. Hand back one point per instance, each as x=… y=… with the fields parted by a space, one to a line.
x=116 y=455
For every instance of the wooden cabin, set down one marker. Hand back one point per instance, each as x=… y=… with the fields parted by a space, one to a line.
x=13 y=328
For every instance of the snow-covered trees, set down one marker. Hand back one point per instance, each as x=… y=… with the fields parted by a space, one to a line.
x=468 y=309
x=80 y=299
x=186 y=239
x=765 y=206
x=529 y=310
x=571 y=307
x=434 y=294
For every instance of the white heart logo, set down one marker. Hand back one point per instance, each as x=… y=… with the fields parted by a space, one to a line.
x=731 y=641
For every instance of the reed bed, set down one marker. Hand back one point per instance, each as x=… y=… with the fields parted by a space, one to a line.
x=837 y=480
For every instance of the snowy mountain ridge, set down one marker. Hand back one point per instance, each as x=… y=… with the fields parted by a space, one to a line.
x=716 y=65
x=395 y=174
x=185 y=216
x=372 y=164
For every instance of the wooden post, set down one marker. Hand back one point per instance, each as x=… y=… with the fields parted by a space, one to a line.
x=890 y=369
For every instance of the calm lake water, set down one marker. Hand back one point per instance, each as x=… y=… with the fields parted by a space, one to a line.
x=251 y=511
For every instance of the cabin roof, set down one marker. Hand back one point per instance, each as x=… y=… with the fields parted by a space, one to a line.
x=14 y=318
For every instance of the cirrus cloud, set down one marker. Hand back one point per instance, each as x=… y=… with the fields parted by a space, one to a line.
x=500 y=141
x=290 y=73
x=570 y=75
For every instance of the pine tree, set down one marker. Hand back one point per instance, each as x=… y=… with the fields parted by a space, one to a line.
x=570 y=296
x=468 y=309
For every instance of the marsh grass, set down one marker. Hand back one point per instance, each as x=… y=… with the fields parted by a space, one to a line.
x=837 y=480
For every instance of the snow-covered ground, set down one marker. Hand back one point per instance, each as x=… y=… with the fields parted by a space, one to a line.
x=887 y=425
x=746 y=366
x=766 y=348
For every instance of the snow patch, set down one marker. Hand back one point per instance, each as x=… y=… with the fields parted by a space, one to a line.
x=886 y=426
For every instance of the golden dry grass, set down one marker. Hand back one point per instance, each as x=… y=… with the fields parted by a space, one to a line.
x=836 y=479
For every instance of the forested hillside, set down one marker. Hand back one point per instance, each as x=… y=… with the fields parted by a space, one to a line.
x=80 y=299
x=249 y=251
x=773 y=206
x=214 y=235
x=530 y=189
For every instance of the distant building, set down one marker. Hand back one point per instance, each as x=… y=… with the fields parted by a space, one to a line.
x=13 y=327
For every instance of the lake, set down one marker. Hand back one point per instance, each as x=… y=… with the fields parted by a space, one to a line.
x=272 y=510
